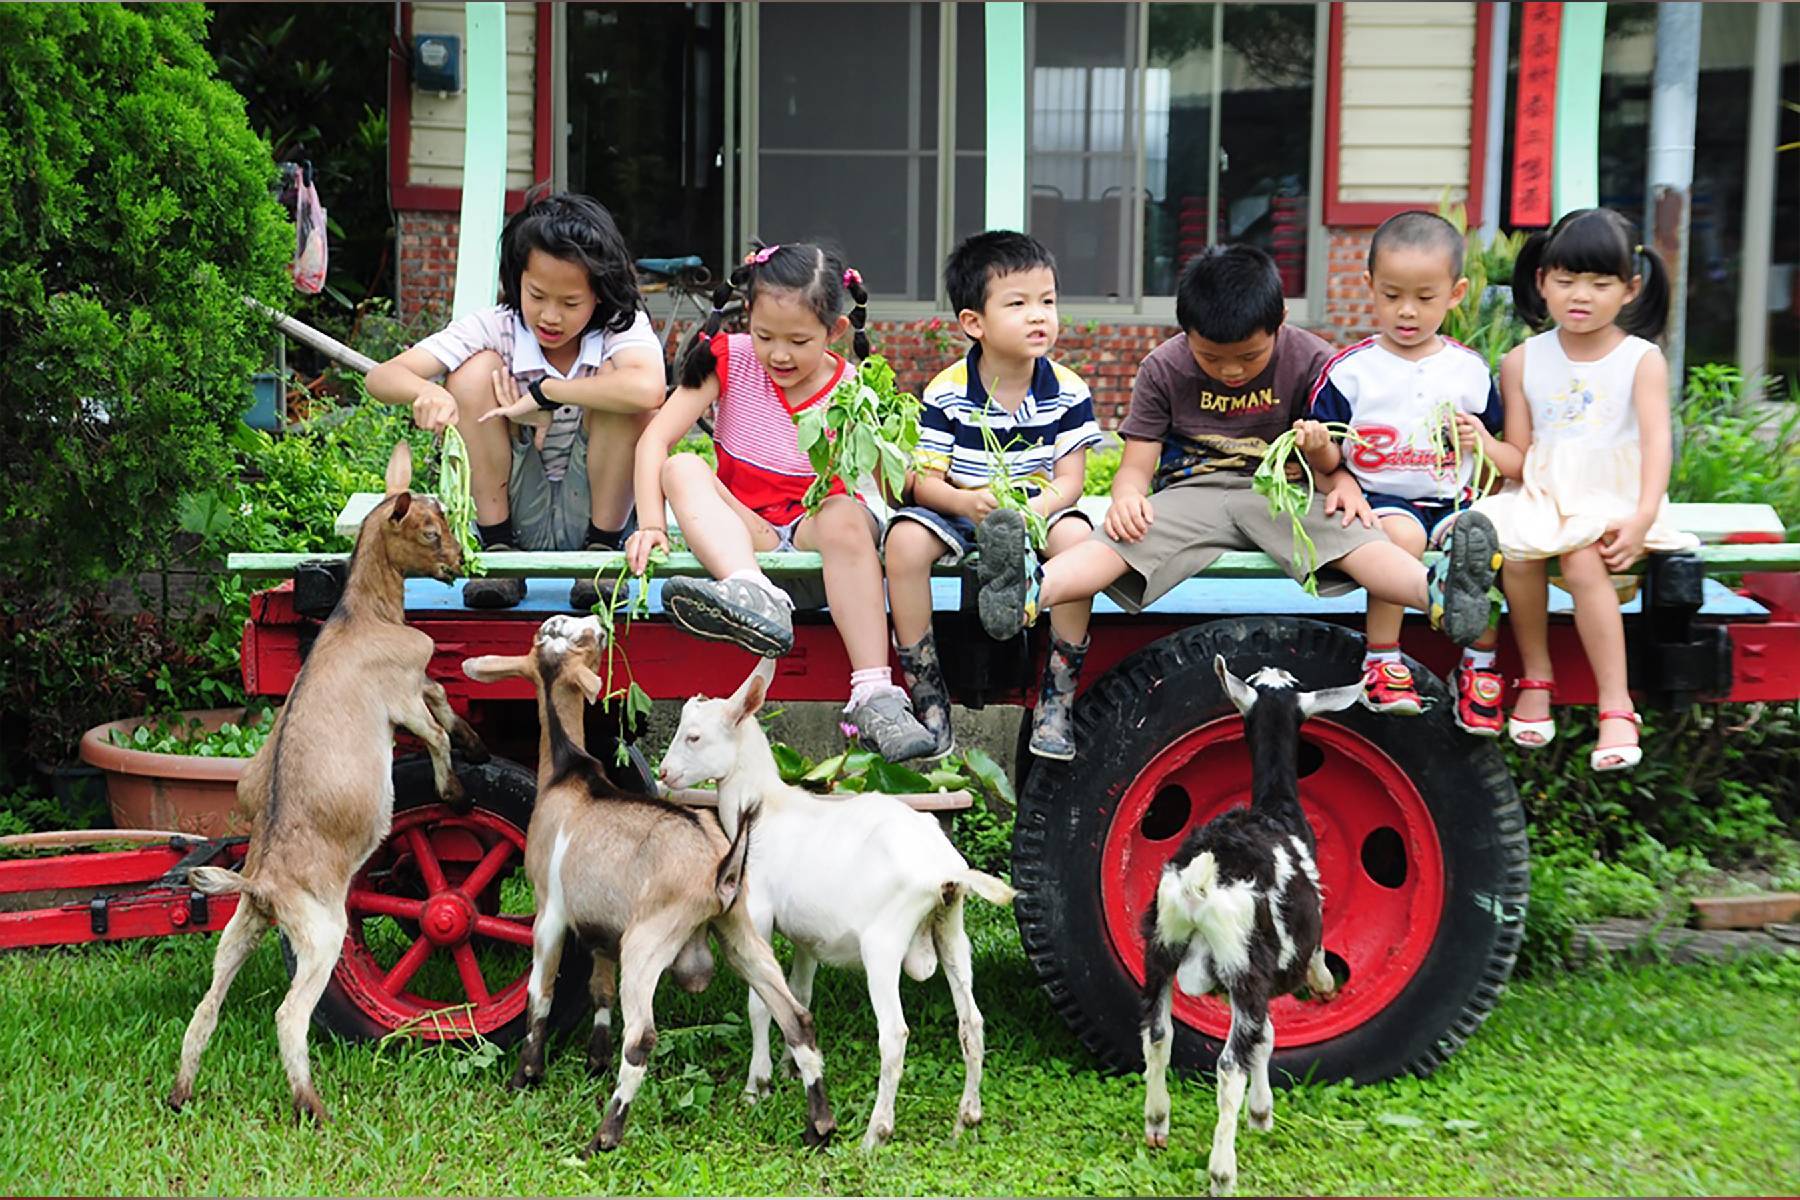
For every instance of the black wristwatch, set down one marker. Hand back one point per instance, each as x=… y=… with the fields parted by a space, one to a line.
x=536 y=388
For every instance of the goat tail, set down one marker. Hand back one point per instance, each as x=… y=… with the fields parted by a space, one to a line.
x=728 y=880
x=217 y=881
x=988 y=887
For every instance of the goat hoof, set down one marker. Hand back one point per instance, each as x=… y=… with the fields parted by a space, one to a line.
x=1156 y=1139
x=789 y=1069
x=1223 y=1184
x=597 y=1068
x=968 y=1116
x=452 y=794
x=878 y=1136
x=521 y=1080
x=815 y=1137
x=179 y=1095
x=1263 y=1121
x=307 y=1104
x=756 y=1087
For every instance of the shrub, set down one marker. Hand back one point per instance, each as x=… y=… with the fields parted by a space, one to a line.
x=138 y=216
x=1729 y=452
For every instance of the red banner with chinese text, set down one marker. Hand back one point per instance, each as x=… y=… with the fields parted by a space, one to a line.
x=1534 y=119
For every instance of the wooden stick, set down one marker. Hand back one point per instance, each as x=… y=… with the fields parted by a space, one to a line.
x=923 y=801
x=90 y=837
x=324 y=343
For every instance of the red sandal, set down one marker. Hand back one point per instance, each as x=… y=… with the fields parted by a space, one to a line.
x=1519 y=729
x=1628 y=754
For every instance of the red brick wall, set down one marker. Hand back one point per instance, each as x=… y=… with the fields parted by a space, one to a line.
x=425 y=273
x=1349 y=313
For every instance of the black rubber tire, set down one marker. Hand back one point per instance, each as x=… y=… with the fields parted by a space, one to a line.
x=1126 y=718
x=507 y=790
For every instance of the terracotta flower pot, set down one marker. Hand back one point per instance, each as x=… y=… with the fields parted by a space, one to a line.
x=186 y=793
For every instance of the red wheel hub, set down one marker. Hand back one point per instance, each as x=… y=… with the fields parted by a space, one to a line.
x=459 y=858
x=1380 y=866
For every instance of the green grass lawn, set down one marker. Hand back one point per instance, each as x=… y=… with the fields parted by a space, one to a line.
x=1649 y=1080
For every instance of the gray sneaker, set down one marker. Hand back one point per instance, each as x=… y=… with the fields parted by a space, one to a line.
x=491 y=592
x=1460 y=584
x=885 y=724
x=1008 y=571
x=731 y=610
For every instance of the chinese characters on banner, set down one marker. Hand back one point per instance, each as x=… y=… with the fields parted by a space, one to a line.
x=1534 y=123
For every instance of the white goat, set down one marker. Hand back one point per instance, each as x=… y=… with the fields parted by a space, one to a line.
x=1238 y=908
x=857 y=880
x=638 y=880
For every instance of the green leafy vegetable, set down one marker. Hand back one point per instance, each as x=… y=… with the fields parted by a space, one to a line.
x=171 y=735
x=1009 y=492
x=456 y=493
x=867 y=426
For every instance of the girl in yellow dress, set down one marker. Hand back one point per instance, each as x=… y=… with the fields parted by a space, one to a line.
x=1586 y=457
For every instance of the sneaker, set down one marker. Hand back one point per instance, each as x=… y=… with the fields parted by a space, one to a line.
x=1478 y=691
x=1008 y=571
x=585 y=596
x=885 y=724
x=1460 y=585
x=1388 y=688
x=924 y=677
x=731 y=610
x=491 y=591
x=1053 y=720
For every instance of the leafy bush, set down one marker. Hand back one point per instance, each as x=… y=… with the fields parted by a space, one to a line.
x=167 y=735
x=1730 y=452
x=1102 y=465
x=138 y=218
x=1485 y=320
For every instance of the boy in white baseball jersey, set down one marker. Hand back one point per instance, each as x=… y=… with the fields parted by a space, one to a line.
x=1403 y=392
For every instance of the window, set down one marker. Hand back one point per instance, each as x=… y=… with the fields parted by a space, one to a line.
x=646 y=102
x=848 y=102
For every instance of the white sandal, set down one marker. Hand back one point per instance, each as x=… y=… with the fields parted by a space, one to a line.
x=1629 y=756
x=1518 y=729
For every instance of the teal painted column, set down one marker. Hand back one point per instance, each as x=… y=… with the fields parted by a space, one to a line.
x=1006 y=184
x=484 y=160
x=1575 y=177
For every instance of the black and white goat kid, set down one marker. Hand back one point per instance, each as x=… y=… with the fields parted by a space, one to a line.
x=1238 y=909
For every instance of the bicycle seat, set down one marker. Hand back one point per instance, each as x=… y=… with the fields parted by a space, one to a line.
x=669 y=268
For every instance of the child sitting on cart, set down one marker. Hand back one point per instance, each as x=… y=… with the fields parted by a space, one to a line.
x=1204 y=409
x=1041 y=418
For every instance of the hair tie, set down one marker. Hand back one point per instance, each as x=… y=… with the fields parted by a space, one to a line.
x=759 y=257
x=1638 y=249
x=852 y=277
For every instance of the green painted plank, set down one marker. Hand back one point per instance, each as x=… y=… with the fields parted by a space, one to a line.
x=1575 y=181
x=484 y=160
x=1234 y=564
x=1007 y=186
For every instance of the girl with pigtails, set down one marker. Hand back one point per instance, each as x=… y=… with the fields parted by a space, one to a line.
x=757 y=382
x=1587 y=452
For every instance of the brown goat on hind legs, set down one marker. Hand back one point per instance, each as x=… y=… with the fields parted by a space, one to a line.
x=321 y=788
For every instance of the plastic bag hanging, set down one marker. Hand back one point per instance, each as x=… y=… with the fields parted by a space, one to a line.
x=309 y=236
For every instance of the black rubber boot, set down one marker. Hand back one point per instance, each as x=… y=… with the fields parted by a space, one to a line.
x=930 y=699
x=1053 y=721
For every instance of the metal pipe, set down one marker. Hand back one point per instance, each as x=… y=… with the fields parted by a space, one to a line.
x=324 y=343
x=1669 y=172
x=1759 y=198
x=1494 y=152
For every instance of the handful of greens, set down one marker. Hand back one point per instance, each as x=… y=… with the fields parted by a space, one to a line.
x=1292 y=500
x=456 y=493
x=867 y=426
x=1012 y=493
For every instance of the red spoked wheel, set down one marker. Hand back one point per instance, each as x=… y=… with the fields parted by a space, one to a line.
x=1379 y=861
x=439 y=940
x=1421 y=838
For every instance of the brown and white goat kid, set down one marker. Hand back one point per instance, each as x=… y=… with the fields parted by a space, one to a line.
x=1238 y=908
x=638 y=880
x=321 y=788
x=865 y=881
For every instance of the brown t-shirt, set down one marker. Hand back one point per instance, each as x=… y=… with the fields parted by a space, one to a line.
x=1207 y=428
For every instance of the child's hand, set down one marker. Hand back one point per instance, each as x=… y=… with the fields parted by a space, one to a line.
x=978 y=503
x=1469 y=432
x=507 y=404
x=640 y=545
x=1623 y=542
x=1346 y=495
x=1129 y=518
x=434 y=408
x=1311 y=436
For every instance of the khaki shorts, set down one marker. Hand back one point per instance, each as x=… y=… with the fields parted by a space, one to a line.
x=1195 y=523
x=548 y=514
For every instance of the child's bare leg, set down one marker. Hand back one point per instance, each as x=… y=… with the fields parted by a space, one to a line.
x=911 y=549
x=1602 y=633
x=722 y=533
x=1527 y=586
x=1069 y=618
x=1080 y=573
x=611 y=452
x=840 y=532
x=1389 y=573
x=489 y=442
x=1383 y=623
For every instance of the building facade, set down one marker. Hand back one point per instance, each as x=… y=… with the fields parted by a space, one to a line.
x=1152 y=130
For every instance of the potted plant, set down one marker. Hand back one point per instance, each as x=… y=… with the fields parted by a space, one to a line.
x=178 y=773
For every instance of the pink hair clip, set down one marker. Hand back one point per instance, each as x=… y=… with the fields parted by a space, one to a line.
x=759 y=257
x=852 y=277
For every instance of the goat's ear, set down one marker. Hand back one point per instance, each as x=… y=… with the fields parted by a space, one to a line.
x=402 y=506
x=399 y=468
x=1242 y=694
x=748 y=699
x=491 y=667
x=587 y=681
x=1330 y=699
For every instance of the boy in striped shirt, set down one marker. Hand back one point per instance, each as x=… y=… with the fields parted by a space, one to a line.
x=1003 y=287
